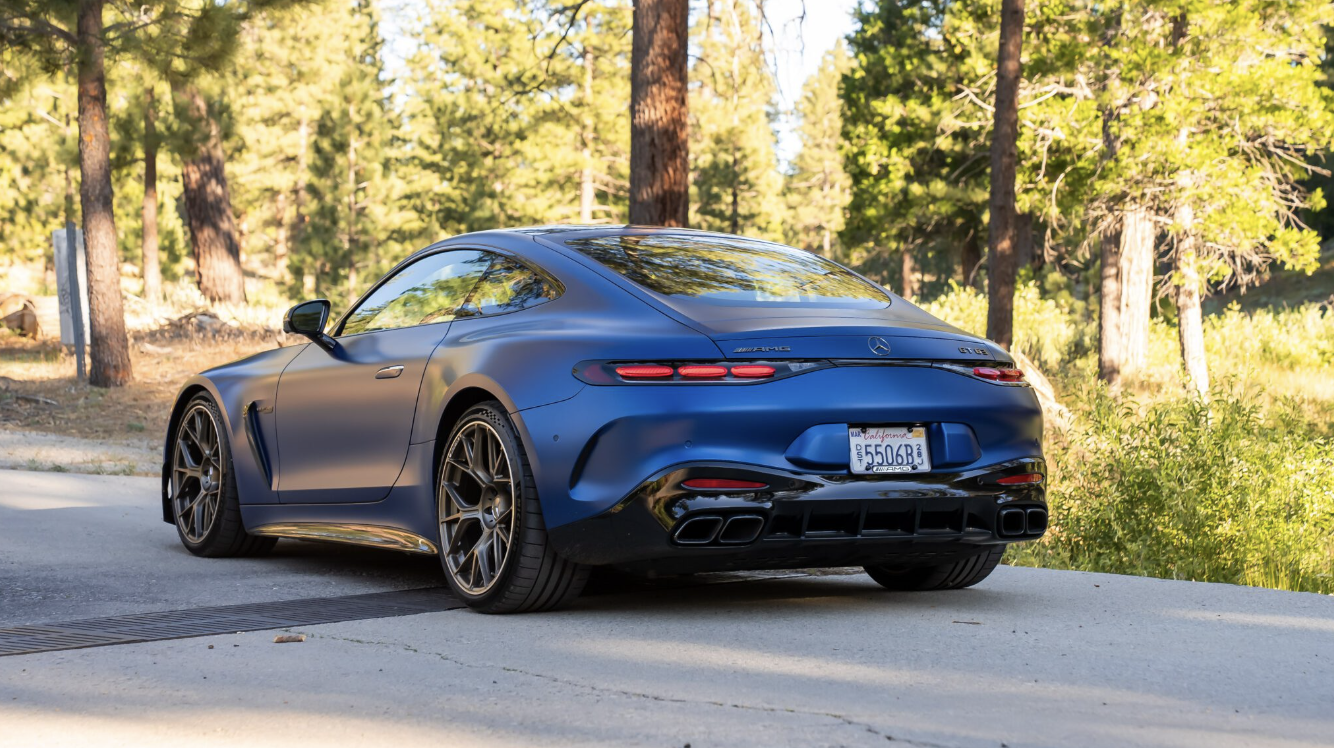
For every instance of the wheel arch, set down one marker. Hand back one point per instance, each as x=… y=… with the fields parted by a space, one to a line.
x=467 y=392
x=194 y=386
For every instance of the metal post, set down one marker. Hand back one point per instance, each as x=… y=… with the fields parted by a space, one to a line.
x=75 y=297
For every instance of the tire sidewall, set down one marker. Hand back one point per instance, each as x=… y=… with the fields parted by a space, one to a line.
x=496 y=418
x=227 y=495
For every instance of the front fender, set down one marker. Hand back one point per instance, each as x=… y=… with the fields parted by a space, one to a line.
x=244 y=390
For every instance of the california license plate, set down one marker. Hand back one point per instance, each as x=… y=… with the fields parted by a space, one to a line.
x=888 y=449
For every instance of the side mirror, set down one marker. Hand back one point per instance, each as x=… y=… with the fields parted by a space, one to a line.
x=309 y=318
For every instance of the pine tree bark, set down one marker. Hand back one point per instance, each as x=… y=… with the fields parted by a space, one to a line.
x=208 y=205
x=1001 y=268
x=1023 y=240
x=587 y=195
x=970 y=259
x=151 y=264
x=1137 y=238
x=1111 y=340
x=908 y=275
x=299 y=193
x=659 y=149
x=109 y=347
x=1190 y=312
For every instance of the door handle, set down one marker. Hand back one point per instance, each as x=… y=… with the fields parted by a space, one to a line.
x=389 y=372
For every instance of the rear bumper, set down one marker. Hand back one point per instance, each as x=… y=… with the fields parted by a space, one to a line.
x=594 y=451
x=805 y=520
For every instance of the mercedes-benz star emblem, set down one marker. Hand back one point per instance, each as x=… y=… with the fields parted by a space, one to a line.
x=879 y=346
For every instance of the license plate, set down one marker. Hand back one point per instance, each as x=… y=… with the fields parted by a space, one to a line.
x=888 y=449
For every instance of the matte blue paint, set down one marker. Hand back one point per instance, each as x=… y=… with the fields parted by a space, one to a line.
x=347 y=447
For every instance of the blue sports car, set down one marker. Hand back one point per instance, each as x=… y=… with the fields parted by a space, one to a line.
x=530 y=403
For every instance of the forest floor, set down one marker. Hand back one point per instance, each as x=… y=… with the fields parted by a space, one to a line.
x=51 y=421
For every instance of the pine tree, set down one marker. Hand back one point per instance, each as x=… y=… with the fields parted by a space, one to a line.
x=290 y=65
x=347 y=174
x=1203 y=116
x=486 y=132
x=817 y=188
x=659 y=122
x=915 y=154
x=74 y=35
x=736 y=184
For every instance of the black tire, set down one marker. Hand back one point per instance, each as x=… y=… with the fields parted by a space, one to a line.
x=531 y=575
x=217 y=533
x=953 y=576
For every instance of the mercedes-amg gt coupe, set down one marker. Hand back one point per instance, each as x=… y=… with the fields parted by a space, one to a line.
x=528 y=404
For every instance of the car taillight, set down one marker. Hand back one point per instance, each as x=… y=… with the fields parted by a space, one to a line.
x=698 y=371
x=1020 y=480
x=644 y=372
x=708 y=484
x=998 y=375
x=752 y=371
x=704 y=373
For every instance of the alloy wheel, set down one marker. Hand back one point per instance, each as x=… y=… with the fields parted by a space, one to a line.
x=197 y=474
x=477 y=507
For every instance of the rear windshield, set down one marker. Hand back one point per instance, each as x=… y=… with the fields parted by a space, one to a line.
x=730 y=270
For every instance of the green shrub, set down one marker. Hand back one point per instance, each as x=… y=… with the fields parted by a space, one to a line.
x=1176 y=489
x=1048 y=331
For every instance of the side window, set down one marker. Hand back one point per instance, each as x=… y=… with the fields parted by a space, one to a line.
x=427 y=291
x=508 y=286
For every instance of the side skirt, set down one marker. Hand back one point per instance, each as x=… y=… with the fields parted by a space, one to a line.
x=372 y=536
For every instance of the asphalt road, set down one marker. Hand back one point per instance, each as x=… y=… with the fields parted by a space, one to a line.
x=1028 y=658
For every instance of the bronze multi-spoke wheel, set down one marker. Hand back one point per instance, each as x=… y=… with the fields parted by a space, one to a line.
x=477 y=526
x=493 y=543
x=196 y=473
x=202 y=488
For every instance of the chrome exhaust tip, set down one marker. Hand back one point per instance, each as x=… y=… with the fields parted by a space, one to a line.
x=742 y=528
x=698 y=530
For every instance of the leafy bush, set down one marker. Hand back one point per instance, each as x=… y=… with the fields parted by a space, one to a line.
x=1049 y=331
x=1177 y=489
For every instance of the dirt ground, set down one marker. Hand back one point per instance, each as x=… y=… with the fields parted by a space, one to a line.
x=48 y=420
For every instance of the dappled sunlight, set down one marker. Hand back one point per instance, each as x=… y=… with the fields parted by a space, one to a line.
x=1258 y=620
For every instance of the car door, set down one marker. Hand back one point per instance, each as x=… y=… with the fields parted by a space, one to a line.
x=344 y=412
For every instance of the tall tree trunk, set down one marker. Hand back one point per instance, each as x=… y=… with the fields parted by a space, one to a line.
x=908 y=275
x=152 y=266
x=208 y=205
x=281 y=246
x=1190 y=314
x=350 y=236
x=1023 y=240
x=970 y=258
x=299 y=192
x=659 y=148
x=1111 y=340
x=1004 y=154
x=587 y=195
x=1137 y=237
x=108 y=344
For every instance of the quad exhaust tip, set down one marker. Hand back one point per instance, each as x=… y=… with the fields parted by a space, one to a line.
x=698 y=530
x=737 y=529
x=1014 y=521
x=742 y=528
x=1037 y=521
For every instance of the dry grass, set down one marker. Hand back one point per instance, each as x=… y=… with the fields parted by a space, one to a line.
x=39 y=390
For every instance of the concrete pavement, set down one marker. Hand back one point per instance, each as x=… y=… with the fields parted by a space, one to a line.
x=1028 y=658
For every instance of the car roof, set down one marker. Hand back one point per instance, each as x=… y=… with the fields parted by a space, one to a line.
x=567 y=231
